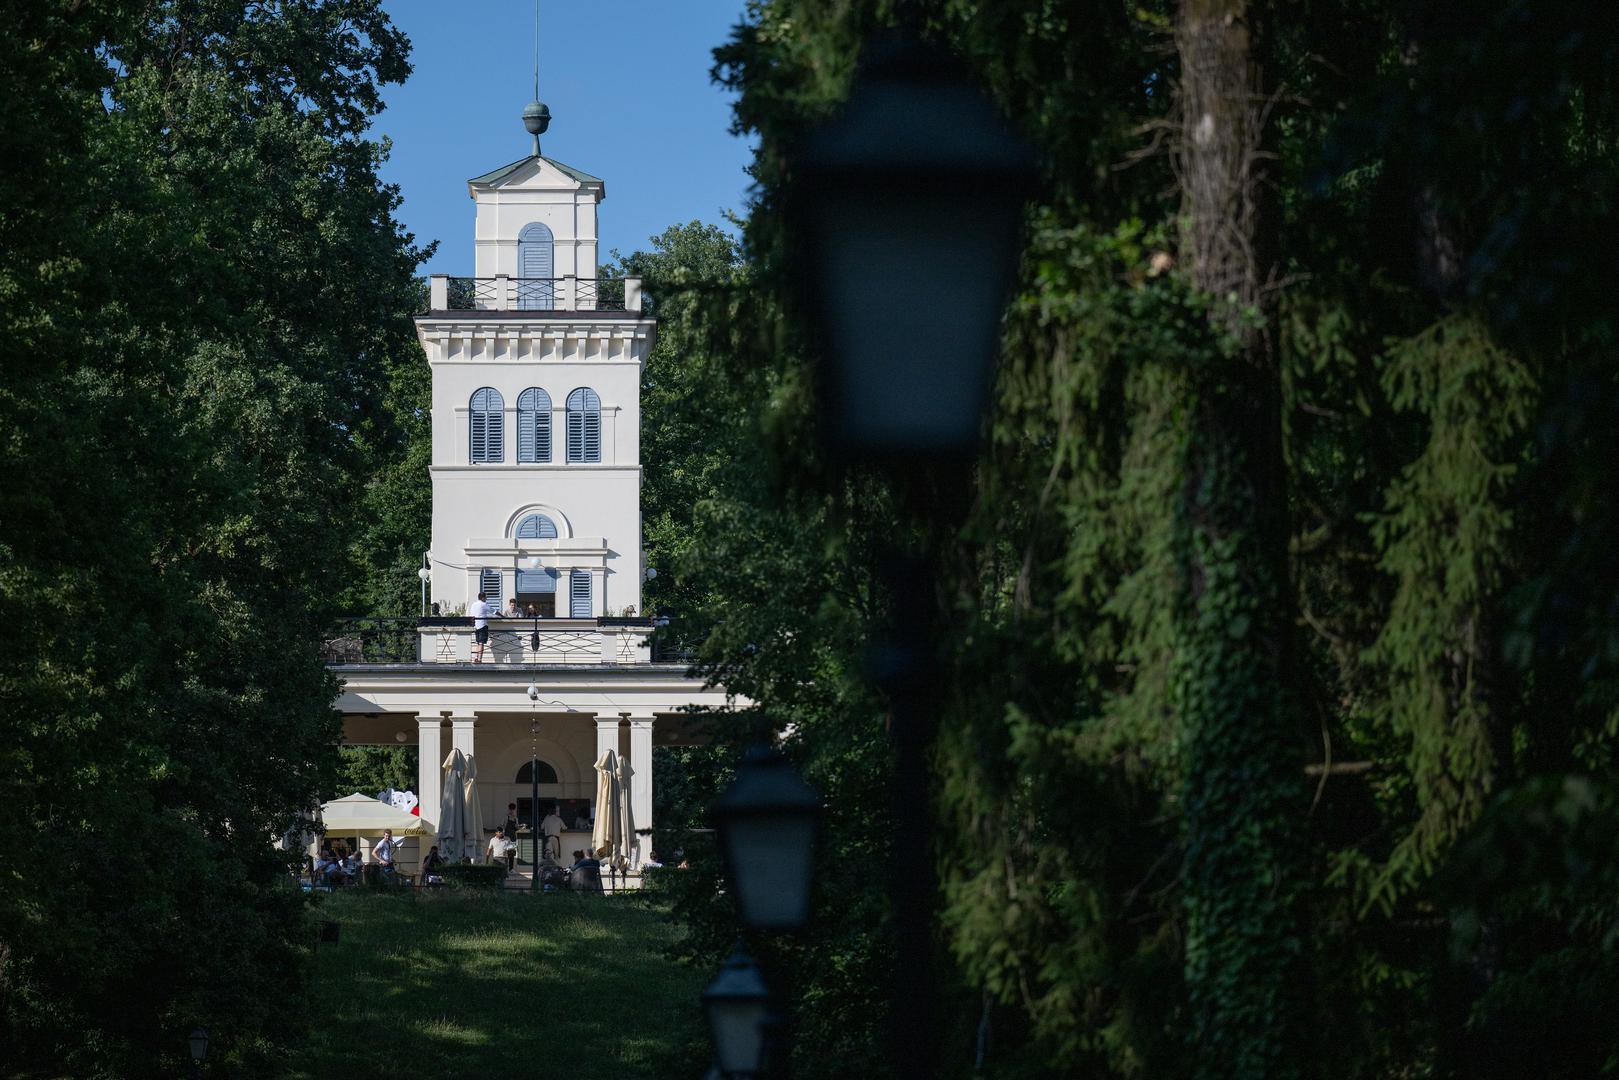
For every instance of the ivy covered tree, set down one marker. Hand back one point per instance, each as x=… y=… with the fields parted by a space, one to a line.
x=1280 y=689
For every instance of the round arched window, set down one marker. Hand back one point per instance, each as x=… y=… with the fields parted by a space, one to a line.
x=525 y=775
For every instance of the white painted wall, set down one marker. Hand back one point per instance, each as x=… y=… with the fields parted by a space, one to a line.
x=536 y=191
x=596 y=506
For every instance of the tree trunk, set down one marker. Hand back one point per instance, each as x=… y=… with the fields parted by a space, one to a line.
x=1244 y=795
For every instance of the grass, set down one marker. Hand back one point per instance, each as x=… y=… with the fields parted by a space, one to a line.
x=469 y=984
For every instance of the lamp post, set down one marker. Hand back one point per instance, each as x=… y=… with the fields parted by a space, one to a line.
x=198 y=1044
x=533 y=693
x=426 y=574
x=908 y=205
x=738 y=1004
x=766 y=822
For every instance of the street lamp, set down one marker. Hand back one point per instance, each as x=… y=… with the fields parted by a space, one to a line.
x=199 y=1048
x=909 y=205
x=426 y=574
x=737 y=1004
x=766 y=822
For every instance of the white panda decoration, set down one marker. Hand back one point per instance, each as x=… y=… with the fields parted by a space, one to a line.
x=406 y=801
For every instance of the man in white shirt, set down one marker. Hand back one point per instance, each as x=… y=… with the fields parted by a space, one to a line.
x=480 y=626
x=383 y=852
x=551 y=827
x=497 y=847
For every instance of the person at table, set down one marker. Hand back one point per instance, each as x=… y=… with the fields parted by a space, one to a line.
x=585 y=860
x=551 y=829
x=512 y=610
x=327 y=866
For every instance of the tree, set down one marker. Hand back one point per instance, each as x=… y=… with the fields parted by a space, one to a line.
x=204 y=275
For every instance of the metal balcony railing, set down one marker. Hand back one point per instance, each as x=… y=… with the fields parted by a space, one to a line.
x=449 y=640
x=504 y=293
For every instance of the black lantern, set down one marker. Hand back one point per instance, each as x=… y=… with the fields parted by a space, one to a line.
x=737 y=1003
x=766 y=822
x=199 y=1044
x=908 y=206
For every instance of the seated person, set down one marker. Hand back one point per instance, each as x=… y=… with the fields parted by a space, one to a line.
x=585 y=860
x=431 y=865
x=652 y=862
x=327 y=866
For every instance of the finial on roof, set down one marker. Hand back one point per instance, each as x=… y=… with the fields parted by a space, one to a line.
x=536 y=118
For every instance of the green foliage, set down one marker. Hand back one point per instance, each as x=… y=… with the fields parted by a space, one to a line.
x=370 y=769
x=201 y=269
x=474 y=875
x=1256 y=646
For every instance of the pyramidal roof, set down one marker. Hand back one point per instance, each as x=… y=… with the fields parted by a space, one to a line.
x=506 y=170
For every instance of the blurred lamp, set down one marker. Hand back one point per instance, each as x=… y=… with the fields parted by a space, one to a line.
x=766 y=822
x=908 y=204
x=737 y=1003
x=199 y=1043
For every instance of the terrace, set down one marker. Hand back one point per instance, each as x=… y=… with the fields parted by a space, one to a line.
x=447 y=640
x=535 y=296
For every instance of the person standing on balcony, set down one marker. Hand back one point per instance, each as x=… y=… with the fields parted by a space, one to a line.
x=480 y=626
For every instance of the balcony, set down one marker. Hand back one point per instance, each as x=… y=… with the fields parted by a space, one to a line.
x=448 y=640
x=534 y=296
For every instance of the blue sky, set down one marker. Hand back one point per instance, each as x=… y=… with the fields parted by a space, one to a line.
x=630 y=97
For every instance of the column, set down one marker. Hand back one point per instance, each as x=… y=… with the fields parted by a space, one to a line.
x=429 y=766
x=461 y=733
x=606 y=739
x=641 y=783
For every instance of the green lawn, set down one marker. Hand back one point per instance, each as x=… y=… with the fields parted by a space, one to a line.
x=466 y=985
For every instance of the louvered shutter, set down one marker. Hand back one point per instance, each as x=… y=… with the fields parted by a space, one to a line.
x=536 y=527
x=584 y=426
x=489 y=585
x=536 y=581
x=533 y=426
x=487 y=426
x=535 y=266
x=579 y=594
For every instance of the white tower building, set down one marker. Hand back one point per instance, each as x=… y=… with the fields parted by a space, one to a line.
x=536 y=478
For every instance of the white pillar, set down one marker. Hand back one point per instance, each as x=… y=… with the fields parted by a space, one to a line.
x=606 y=739
x=429 y=767
x=461 y=733
x=641 y=782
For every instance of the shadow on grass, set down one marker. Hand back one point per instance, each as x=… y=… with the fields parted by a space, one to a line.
x=461 y=984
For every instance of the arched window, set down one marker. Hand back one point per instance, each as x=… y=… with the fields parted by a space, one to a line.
x=488 y=426
x=536 y=527
x=584 y=425
x=536 y=289
x=525 y=775
x=579 y=594
x=533 y=426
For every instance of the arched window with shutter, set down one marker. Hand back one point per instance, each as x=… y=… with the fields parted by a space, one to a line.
x=579 y=594
x=584 y=425
x=536 y=289
x=488 y=420
x=537 y=585
x=533 y=426
x=536 y=527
